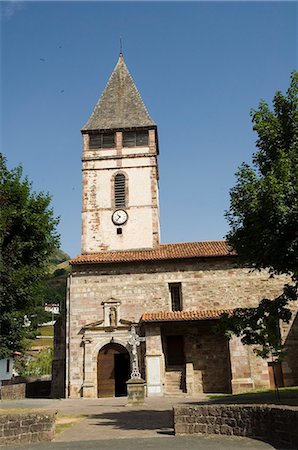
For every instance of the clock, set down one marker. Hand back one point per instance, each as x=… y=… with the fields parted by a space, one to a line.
x=119 y=217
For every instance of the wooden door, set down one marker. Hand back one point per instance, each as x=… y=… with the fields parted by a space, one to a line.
x=112 y=371
x=275 y=374
x=106 y=374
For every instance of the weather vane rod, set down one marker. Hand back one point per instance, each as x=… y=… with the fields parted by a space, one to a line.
x=121 y=45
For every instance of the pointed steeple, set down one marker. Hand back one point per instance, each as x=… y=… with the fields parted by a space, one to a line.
x=120 y=105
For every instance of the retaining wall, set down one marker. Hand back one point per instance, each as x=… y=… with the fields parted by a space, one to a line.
x=13 y=391
x=277 y=425
x=26 y=428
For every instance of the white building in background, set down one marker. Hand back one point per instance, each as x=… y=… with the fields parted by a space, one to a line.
x=6 y=369
x=52 y=308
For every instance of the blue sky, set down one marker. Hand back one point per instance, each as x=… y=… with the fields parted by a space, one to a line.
x=199 y=66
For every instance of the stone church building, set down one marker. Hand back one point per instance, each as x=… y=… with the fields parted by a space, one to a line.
x=126 y=280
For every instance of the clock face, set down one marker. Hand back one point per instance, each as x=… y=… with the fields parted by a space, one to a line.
x=119 y=217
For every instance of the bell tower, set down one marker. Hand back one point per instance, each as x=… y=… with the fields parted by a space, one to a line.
x=120 y=206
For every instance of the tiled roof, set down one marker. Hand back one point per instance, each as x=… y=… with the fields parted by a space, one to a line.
x=169 y=316
x=120 y=105
x=162 y=252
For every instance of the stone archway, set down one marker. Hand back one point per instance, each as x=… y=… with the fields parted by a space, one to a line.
x=113 y=370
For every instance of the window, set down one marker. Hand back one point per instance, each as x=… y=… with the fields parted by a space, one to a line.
x=7 y=365
x=119 y=230
x=135 y=138
x=102 y=140
x=176 y=297
x=119 y=191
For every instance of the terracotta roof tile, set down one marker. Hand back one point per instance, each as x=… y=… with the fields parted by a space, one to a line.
x=162 y=252
x=169 y=316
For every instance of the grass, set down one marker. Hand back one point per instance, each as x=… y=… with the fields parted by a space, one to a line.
x=42 y=342
x=287 y=396
x=64 y=422
x=47 y=330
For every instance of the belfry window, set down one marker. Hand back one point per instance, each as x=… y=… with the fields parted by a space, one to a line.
x=120 y=191
x=102 y=140
x=176 y=297
x=135 y=138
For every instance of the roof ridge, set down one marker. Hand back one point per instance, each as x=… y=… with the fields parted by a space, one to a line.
x=173 y=251
x=194 y=242
x=133 y=81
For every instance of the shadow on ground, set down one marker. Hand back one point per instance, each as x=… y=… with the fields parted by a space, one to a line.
x=287 y=397
x=137 y=420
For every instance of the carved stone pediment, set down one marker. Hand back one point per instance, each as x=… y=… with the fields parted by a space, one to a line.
x=100 y=326
x=111 y=300
x=93 y=325
x=126 y=322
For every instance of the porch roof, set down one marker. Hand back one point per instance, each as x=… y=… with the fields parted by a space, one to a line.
x=169 y=316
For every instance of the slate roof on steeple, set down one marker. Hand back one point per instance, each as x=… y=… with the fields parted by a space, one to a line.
x=120 y=105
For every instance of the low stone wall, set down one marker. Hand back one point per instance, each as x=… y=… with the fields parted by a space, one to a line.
x=13 y=391
x=26 y=428
x=273 y=424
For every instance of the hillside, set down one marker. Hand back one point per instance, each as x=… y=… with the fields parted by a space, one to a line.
x=55 y=285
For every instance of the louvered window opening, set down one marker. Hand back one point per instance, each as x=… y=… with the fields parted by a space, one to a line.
x=119 y=191
x=135 y=138
x=176 y=298
x=102 y=140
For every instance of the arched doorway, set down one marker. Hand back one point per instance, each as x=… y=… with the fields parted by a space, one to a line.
x=113 y=370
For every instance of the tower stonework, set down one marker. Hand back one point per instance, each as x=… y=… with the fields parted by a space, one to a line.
x=120 y=206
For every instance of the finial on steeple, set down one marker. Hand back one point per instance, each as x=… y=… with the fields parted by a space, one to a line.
x=121 y=53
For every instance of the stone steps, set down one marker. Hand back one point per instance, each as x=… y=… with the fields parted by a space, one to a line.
x=174 y=383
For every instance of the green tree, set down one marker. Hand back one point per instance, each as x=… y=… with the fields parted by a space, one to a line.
x=263 y=217
x=27 y=238
x=40 y=364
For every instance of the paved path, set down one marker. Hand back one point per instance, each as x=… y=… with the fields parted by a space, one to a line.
x=111 y=425
x=166 y=443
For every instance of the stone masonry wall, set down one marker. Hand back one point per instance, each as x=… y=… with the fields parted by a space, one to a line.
x=206 y=284
x=139 y=165
x=26 y=428
x=210 y=283
x=290 y=337
x=13 y=391
x=277 y=425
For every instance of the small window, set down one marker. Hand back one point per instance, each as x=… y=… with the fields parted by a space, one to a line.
x=119 y=230
x=176 y=297
x=102 y=140
x=135 y=138
x=7 y=365
x=119 y=191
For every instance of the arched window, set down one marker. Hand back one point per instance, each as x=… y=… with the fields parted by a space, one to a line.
x=119 y=191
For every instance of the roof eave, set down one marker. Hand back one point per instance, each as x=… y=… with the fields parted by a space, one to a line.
x=99 y=130
x=73 y=262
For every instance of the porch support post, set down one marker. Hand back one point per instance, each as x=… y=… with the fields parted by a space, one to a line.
x=154 y=360
x=240 y=367
x=88 y=388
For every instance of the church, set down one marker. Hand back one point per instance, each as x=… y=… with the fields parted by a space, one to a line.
x=126 y=284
